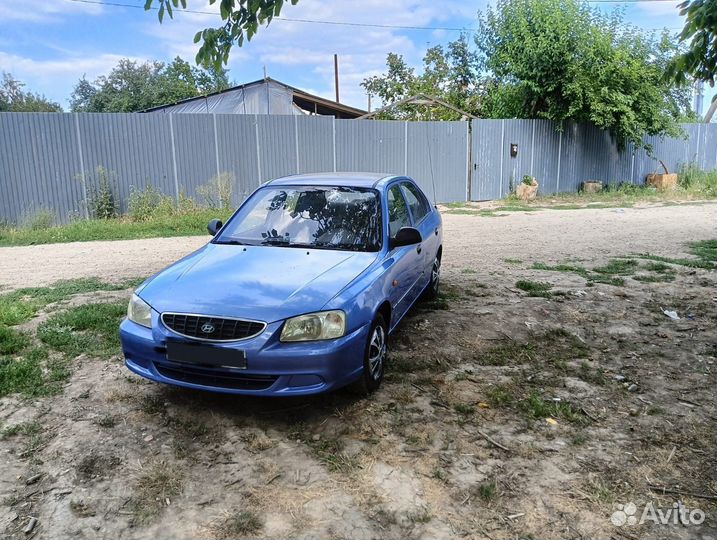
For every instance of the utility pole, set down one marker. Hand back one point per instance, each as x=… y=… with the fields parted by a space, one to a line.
x=336 y=75
x=369 y=102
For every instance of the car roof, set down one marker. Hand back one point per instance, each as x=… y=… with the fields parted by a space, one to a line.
x=344 y=179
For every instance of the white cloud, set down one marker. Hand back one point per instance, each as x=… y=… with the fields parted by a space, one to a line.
x=302 y=49
x=45 y=10
x=56 y=78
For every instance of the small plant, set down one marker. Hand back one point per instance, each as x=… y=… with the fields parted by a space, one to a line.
x=41 y=219
x=527 y=180
x=464 y=408
x=487 y=491
x=240 y=525
x=217 y=193
x=145 y=204
x=101 y=199
x=535 y=288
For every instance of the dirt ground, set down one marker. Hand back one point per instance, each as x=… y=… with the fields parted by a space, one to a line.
x=502 y=415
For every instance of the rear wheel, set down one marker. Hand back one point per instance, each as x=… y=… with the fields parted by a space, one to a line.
x=374 y=361
x=431 y=291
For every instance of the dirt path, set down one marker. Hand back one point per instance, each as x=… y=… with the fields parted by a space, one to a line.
x=502 y=415
x=547 y=235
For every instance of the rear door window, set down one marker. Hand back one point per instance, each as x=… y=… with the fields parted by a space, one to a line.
x=416 y=201
x=398 y=215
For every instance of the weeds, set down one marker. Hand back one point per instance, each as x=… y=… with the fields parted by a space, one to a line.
x=101 y=199
x=488 y=491
x=535 y=288
x=160 y=482
x=89 y=329
x=239 y=525
x=620 y=267
x=537 y=407
x=23 y=304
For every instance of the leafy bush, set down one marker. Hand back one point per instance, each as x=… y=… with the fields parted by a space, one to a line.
x=217 y=193
x=148 y=203
x=101 y=199
x=41 y=219
x=692 y=178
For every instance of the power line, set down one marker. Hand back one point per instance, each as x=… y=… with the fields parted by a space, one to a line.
x=365 y=25
x=312 y=21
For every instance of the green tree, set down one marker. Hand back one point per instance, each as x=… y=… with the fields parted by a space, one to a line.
x=13 y=98
x=240 y=20
x=700 y=58
x=562 y=60
x=449 y=73
x=132 y=86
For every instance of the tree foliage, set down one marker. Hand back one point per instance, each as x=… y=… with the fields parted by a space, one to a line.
x=449 y=73
x=240 y=20
x=553 y=59
x=700 y=58
x=132 y=87
x=13 y=98
x=561 y=60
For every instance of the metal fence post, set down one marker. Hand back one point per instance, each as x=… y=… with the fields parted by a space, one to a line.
x=174 y=156
x=469 y=158
x=296 y=141
x=83 y=179
x=501 y=154
x=560 y=151
x=405 y=147
x=258 y=153
x=333 y=138
x=216 y=144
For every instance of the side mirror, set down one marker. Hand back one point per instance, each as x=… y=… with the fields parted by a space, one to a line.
x=214 y=226
x=406 y=236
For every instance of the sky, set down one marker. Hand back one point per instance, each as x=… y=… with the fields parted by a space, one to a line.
x=50 y=44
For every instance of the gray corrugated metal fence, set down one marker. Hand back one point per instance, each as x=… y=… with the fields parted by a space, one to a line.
x=47 y=160
x=562 y=160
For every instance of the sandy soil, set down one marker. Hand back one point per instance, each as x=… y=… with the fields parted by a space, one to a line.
x=548 y=235
x=449 y=447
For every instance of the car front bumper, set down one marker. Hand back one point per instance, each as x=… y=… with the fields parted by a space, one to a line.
x=273 y=368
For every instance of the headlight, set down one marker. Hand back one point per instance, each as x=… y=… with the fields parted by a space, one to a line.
x=315 y=326
x=139 y=311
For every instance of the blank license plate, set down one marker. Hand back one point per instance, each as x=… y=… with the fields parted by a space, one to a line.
x=208 y=355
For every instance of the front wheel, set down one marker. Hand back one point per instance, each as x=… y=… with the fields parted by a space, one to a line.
x=431 y=291
x=374 y=358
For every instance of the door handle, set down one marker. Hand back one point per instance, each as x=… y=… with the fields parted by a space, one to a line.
x=436 y=231
x=418 y=248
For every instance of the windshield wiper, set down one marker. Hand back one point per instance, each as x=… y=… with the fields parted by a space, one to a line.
x=276 y=241
x=232 y=242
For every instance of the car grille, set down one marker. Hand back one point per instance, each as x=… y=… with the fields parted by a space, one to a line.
x=211 y=328
x=216 y=378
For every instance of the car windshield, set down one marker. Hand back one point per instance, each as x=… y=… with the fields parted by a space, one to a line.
x=317 y=217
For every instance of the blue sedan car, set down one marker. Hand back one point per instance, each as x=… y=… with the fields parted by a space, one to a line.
x=295 y=294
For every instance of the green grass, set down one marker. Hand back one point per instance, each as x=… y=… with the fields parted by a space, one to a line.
x=30 y=370
x=33 y=374
x=512 y=261
x=562 y=268
x=12 y=341
x=554 y=346
x=23 y=304
x=182 y=224
x=535 y=288
x=619 y=267
x=537 y=407
x=89 y=329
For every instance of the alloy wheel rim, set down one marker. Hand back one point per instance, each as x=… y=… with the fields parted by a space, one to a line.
x=377 y=351
x=436 y=272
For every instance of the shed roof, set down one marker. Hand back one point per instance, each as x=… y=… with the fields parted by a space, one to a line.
x=304 y=100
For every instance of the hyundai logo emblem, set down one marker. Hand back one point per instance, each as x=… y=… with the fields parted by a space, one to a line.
x=207 y=328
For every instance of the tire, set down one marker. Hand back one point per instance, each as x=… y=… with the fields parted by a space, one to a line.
x=431 y=291
x=374 y=359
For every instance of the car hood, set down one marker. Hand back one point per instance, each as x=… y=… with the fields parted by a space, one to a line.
x=265 y=283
